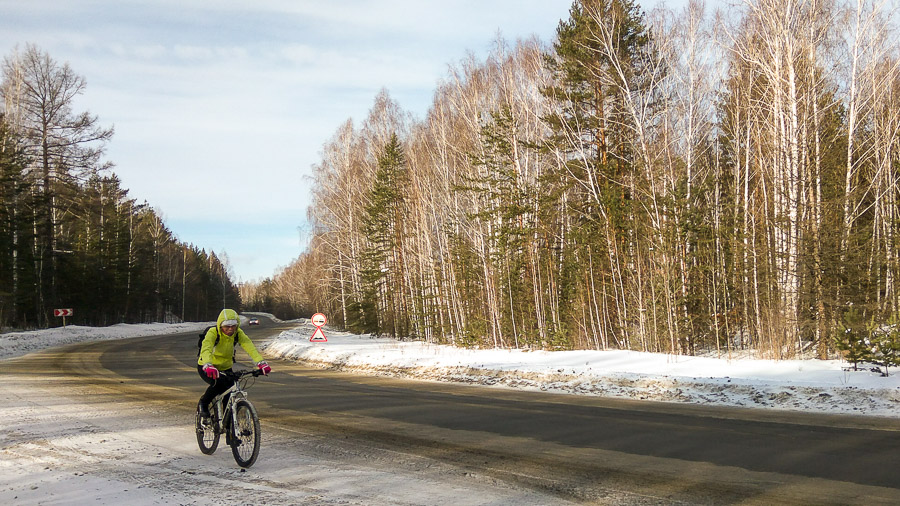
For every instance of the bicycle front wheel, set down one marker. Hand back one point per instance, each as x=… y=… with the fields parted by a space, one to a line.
x=207 y=437
x=245 y=438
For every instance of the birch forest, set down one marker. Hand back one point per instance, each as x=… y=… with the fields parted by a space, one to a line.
x=685 y=182
x=70 y=236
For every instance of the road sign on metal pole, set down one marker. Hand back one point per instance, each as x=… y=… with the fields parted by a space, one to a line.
x=319 y=320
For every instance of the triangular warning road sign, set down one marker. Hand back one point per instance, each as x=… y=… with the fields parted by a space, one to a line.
x=318 y=336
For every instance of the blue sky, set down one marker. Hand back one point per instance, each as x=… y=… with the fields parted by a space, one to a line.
x=220 y=108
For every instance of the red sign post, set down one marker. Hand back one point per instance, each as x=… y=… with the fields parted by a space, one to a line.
x=318 y=320
x=64 y=313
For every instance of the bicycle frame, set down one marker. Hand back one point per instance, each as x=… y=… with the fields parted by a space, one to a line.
x=235 y=393
x=237 y=419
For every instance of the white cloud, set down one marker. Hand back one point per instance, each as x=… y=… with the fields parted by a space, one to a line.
x=192 y=52
x=149 y=52
x=302 y=54
x=249 y=92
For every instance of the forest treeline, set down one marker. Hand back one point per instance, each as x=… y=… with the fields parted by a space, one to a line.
x=671 y=182
x=70 y=237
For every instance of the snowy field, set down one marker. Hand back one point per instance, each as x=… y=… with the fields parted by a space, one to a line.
x=805 y=385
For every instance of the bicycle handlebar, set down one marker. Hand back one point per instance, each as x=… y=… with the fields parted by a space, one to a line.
x=241 y=374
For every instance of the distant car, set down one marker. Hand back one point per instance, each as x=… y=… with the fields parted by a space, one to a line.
x=254 y=321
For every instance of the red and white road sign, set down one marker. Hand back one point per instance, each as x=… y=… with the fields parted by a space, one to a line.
x=318 y=336
x=318 y=320
x=63 y=312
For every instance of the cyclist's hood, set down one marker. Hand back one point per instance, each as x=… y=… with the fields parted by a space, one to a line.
x=227 y=314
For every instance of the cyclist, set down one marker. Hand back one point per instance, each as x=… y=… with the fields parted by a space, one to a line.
x=217 y=356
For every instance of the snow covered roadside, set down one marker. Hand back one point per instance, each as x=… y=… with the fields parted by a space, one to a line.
x=803 y=385
x=823 y=386
x=16 y=344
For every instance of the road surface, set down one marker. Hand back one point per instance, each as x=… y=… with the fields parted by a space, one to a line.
x=550 y=446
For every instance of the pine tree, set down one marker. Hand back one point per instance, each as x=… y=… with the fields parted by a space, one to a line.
x=886 y=344
x=62 y=146
x=15 y=201
x=853 y=337
x=381 y=304
x=505 y=211
x=589 y=133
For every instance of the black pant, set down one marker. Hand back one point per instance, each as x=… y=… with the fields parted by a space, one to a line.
x=216 y=386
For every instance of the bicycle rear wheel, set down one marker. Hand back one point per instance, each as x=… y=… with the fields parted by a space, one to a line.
x=245 y=438
x=207 y=437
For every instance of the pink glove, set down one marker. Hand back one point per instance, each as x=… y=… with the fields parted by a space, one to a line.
x=264 y=367
x=211 y=371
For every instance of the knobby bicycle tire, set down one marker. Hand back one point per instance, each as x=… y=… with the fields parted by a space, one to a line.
x=245 y=436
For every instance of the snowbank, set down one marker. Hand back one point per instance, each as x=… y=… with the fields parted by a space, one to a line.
x=824 y=386
x=808 y=385
x=16 y=344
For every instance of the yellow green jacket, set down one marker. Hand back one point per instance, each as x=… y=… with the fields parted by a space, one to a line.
x=222 y=355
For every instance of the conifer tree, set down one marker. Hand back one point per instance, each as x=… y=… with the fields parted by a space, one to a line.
x=15 y=198
x=61 y=145
x=506 y=212
x=69 y=234
x=381 y=305
x=853 y=337
x=886 y=344
x=596 y=171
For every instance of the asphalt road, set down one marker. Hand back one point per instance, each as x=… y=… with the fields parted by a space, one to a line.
x=579 y=448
